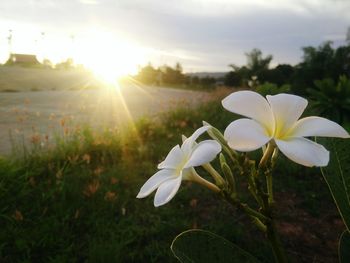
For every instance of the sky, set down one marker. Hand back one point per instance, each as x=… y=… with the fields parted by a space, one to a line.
x=203 y=35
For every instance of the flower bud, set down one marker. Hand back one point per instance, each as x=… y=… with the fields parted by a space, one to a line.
x=217 y=135
x=228 y=175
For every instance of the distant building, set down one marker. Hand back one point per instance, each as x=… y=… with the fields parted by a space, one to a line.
x=22 y=59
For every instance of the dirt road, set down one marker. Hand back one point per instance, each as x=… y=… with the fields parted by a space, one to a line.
x=24 y=115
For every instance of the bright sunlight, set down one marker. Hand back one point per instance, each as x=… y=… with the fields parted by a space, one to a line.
x=108 y=56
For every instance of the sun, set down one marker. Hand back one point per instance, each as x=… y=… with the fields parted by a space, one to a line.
x=108 y=56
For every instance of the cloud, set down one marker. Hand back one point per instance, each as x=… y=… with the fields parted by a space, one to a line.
x=231 y=7
x=198 y=33
x=89 y=2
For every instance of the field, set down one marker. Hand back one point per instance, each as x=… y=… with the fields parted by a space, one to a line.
x=72 y=197
x=15 y=79
x=27 y=114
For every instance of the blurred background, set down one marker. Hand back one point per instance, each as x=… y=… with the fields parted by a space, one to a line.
x=94 y=93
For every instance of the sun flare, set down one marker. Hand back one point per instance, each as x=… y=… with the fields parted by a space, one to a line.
x=108 y=56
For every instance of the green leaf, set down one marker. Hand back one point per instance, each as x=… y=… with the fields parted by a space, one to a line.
x=201 y=246
x=337 y=175
x=344 y=247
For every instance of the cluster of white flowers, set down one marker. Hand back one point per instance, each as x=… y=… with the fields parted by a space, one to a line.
x=178 y=166
x=273 y=119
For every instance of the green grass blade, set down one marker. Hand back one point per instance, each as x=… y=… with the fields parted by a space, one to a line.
x=337 y=175
x=194 y=246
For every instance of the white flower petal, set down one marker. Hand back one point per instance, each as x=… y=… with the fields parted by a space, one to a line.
x=246 y=135
x=317 y=126
x=252 y=105
x=304 y=151
x=166 y=191
x=204 y=152
x=199 y=132
x=153 y=182
x=287 y=109
x=173 y=159
x=189 y=143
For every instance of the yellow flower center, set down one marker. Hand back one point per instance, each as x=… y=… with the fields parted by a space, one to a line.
x=282 y=130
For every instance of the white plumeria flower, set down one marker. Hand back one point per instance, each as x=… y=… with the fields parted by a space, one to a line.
x=277 y=119
x=178 y=166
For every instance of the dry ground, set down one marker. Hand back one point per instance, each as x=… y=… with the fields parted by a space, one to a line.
x=64 y=99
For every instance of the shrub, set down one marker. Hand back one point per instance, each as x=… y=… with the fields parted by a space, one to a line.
x=272 y=89
x=331 y=100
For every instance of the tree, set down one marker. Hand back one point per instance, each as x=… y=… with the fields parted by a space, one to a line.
x=162 y=75
x=232 y=79
x=178 y=67
x=173 y=76
x=319 y=63
x=256 y=63
x=147 y=75
x=238 y=76
x=67 y=64
x=47 y=63
x=282 y=74
x=341 y=62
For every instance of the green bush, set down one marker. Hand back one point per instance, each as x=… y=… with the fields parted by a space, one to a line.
x=272 y=89
x=330 y=99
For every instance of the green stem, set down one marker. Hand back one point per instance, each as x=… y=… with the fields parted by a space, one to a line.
x=269 y=187
x=254 y=191
x=231 y=154
x=260 y=191
x=274 y=158
x=245 y=208
x=275 y=242
x=216 y=176
x=267 y=154
x=271 y=154
x=254 y=213
x=269 y=176
x=218 y=136
x=259 y=224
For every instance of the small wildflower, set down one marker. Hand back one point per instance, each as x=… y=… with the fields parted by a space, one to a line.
x=86 y=158
x=98 y=171
x=17 y=215
x=113 y=180
x=32 y=181
x=35 y=139
x=110 y=196
x=91 y=188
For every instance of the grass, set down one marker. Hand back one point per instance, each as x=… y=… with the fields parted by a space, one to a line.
x=9 y=90
x=76 y=202
x=196 y=87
